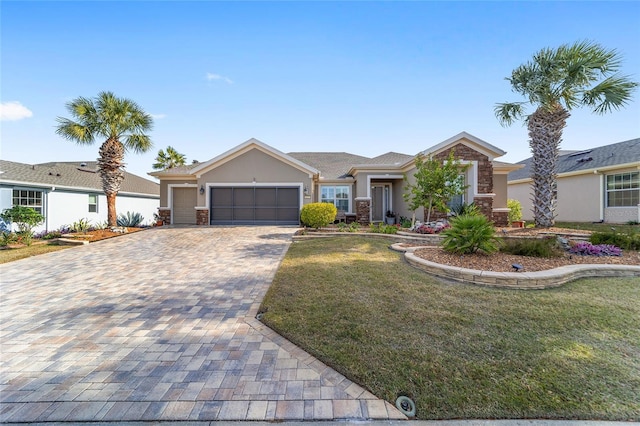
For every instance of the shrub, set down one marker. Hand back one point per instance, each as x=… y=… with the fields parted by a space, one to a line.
x=466 y=209
x=535 y=247
x=588 y=249
x=354 y=227
x=468 y=234
x=25 y=218
x=130 y=220
x=628 y=241
x=381 y=228
x=405 y=222
x=317 y=215
x=515 y=210
x=81 y=226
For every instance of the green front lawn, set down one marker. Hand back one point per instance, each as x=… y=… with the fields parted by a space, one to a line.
x=461 y=351
x=11 y=254
x=599 y=227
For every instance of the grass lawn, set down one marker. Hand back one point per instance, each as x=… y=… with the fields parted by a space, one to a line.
x=600 y=227
x=11 y=254
x=461 y=351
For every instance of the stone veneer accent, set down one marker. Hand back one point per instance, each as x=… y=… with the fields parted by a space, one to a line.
x=363 y=210
x=485 y=178
x=165 y=216
x=501 y=218
x=202 y=216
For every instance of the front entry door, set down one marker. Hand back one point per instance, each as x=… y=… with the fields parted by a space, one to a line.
x=380 y=202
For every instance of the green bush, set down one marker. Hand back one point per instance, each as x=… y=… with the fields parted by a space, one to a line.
x=25 y=218
x=317 y=215
x=468 y=234
x=630 y=241
x=381 y=228
x=81 y=226
x=535 y=247
x=466 y=209
x=515 y=210
x=130 y=220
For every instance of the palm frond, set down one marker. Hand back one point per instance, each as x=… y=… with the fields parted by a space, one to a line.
x=137 y=142
x=74 y=131
x=507 y=113
x=610 y=94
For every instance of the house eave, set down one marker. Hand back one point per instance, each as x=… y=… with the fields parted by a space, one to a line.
x=594 y=170
x=53 y=187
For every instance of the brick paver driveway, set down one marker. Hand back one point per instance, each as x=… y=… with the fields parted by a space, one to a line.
x=158 y=325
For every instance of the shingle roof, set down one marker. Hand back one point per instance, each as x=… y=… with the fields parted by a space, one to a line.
x=589 y=159
x=392 y=158
x=71 y=175
x=332 y=165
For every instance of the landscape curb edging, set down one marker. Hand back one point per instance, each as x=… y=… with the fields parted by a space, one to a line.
x=519 y=280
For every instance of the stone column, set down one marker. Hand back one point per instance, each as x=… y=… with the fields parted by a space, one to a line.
x=363 y=210
x=165 y=216
x=202 y=216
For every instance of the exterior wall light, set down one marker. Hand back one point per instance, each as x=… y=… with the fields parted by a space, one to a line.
x=201 y=189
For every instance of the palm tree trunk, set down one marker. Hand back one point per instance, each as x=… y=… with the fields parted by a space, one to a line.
x=110 y=166
x=545 y=133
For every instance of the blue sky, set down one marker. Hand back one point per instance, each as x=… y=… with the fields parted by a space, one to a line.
x=361 y=77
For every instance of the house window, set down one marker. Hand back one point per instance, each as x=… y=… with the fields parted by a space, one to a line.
x=457 y=200
x=623 y=190
x=28 y=198
x=337 y=195
x=93 y=203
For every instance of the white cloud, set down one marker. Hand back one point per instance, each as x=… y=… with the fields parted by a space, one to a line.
x=13 y=111
x=158 y=116
x=212 y=77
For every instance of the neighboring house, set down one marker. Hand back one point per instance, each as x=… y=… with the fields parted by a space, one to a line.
x=69 y=191
x=597 y=184
x=254 y=183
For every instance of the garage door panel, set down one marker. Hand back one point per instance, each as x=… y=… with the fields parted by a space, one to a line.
x=255 y=205
x=184 y=203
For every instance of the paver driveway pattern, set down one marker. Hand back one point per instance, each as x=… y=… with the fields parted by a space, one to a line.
x=158 y=325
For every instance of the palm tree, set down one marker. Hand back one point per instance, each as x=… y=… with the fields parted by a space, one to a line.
x=122 y=122
x=169 y=159
x=556 y=81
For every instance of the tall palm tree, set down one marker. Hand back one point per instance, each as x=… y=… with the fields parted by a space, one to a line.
x=169 y=159
x=555 y=81
x=122 y=122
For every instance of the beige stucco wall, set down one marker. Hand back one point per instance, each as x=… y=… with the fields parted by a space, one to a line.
x=164 y=186
x=255 y=164
x=579 y=198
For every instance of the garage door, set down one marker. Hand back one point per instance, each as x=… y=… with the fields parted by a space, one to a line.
x=184 y=203
x=255 y=206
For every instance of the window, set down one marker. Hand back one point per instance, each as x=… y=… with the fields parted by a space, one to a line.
x=337 y=195
x=93 y=203
x=457 y=200
x=28 y=198
x=623 y=190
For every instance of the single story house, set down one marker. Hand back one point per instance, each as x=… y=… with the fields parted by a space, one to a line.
x=255 y=183
x=65 y=192
x=597 y=184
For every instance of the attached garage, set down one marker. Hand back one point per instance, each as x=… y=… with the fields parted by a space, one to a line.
x=262 y=205
x=184 y=204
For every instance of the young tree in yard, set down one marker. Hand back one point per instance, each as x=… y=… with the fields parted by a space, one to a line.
x=122 y=123
x=436 y=183
x=554 y=82
x=169 y=159
x=25 y=218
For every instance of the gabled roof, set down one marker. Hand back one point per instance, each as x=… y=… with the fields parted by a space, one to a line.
x=76 y=175
x=252 y=143
x=471 y=141
x=588 y=160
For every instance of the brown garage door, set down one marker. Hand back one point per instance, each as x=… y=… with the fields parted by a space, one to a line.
x=255 y=206
x=184 y=203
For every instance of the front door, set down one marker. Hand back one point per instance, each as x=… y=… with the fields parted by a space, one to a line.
x=380 y=196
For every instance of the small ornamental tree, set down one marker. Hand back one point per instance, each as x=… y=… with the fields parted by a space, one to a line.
x=436 y=183
x=25 y=219
x=317 y=215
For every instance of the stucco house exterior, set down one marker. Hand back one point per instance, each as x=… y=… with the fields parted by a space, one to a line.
x=65 y=192
x=254 y=183
x=597 y=184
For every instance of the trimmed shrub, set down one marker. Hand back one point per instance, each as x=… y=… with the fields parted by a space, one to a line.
x=317 y=215
x=515 y=210
x=381 y=228
x=534 y=247
x=25 y=218
x=626 y=241
x=130 y=220
x=468 y=234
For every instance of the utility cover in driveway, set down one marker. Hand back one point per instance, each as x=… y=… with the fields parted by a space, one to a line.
x=255 y=205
